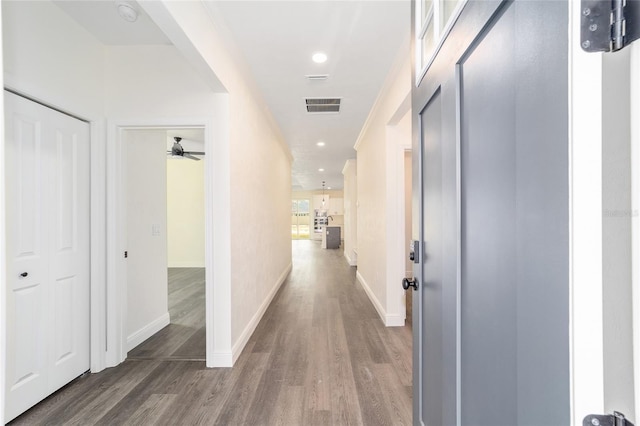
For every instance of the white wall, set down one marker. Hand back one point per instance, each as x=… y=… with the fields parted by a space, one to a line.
x=147 y=286
x=185 y=213
x=259 y=166
x=350 y=212
x=152 y=82
x=380 y=182
x=35 y=62
x=51 y=58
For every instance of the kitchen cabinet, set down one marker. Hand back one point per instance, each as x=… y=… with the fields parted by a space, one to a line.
x=336 y=206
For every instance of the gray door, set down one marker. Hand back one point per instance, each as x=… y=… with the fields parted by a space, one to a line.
x=491 y=316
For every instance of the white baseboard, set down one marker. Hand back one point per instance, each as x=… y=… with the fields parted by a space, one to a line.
x=394 y=320
x=389 y=320
x=237 y=348
x=186 y=264
x=147 y=331
x=221 y=359
x=352 y=262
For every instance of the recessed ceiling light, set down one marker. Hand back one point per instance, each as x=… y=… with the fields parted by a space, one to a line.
x=321 y=170
x=320 y=144
x=319 y=58
x=328 y=187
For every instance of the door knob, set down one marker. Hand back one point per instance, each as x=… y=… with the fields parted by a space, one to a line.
x=410 y=282
x=24 y=274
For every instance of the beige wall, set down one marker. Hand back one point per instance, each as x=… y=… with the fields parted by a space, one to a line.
x=185 y=213
x=407 y=211
x=257 y=191
x=380 y=183
x=350 y=212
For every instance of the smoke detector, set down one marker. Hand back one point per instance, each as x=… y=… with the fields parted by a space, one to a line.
x=127 y=11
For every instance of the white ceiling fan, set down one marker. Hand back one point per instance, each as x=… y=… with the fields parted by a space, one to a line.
x=178 y=151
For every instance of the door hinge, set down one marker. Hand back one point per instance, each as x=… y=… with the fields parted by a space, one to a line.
x=608 y=25
x=615 y=419
x=126 y=254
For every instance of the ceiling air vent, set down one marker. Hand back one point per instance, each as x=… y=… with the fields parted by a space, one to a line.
x=319 y=105
x=317 y=77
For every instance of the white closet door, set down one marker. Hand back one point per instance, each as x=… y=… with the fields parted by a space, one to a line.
x=48 y=258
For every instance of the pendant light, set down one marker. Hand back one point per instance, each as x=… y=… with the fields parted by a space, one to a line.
x=322 y=193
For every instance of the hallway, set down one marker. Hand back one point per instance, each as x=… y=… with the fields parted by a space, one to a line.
x=320 y=355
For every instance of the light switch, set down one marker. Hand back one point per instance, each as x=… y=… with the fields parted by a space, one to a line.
x=155 y=230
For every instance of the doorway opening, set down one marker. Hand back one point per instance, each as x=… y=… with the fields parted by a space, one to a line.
x=165 y=244
x=164 y=230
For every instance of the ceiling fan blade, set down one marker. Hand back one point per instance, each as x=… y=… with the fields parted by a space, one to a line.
x=191 y=157
x=194 y=152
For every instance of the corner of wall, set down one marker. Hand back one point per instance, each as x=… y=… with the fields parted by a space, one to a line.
x=351 y=260
x=389 y=320
x=240 y=344
x=147 y=331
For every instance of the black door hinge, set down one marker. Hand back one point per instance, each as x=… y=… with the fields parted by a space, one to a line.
x=608 y=25
x=615 y=419
x=126 y=254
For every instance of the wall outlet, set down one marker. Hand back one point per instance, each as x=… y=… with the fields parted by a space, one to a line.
x=155 y=230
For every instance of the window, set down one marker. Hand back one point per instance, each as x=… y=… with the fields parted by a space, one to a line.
x=300 y=217
x=434 y=21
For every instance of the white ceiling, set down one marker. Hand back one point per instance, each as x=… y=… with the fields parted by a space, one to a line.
x=277 y=39
x=100 y=18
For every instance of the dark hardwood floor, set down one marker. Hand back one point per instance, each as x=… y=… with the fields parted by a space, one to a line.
x=320 y=355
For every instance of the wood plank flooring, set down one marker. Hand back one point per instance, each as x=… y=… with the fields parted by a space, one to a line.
x=320 y=356
x=184 y=338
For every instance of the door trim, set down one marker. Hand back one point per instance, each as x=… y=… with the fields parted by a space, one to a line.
x=585 y=225
x=458 y=80
x=115 y=300
x=417 y=309
x=3 y=254
x=635 y=225
x=395 y=313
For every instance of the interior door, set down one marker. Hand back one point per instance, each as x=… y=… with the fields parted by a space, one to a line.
x=47 y=213
x=491 y=313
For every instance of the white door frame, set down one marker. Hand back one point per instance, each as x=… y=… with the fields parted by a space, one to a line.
x=635 y=218
x=585 y=221
x=395 y=211
x=3 y=255
x=116 y=289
